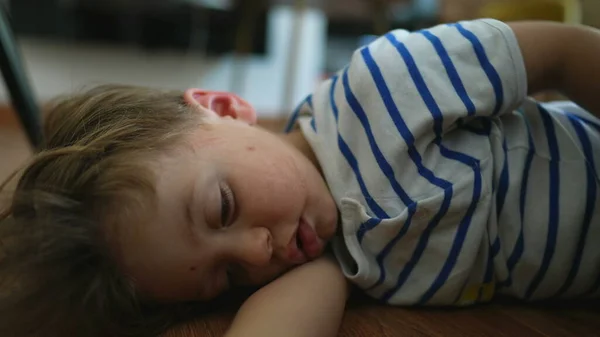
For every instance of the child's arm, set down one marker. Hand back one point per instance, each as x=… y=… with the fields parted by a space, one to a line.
x=562 y=57
x=307 y=301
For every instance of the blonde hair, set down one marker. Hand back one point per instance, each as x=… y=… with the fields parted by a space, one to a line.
x=58 y=272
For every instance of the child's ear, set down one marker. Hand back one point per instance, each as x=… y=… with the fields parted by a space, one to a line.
x=223 y=104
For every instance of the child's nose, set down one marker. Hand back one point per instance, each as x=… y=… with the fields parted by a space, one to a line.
x=255 y=247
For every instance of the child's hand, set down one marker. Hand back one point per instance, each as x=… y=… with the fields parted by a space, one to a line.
x=562 y=57
x=307 y=301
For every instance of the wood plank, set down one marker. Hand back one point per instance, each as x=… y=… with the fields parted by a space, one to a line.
x=503 y=318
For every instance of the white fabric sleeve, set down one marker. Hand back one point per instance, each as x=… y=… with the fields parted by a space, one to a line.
x=431 y=78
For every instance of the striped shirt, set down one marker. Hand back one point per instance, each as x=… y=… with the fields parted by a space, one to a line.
x=452 y=185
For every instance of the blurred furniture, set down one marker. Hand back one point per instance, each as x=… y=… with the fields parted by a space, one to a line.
x=17 y=84
x=591 y=12
x=568 y=11
x=153 y=25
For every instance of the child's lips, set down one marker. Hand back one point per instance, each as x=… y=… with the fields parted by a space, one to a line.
x=294 y=254
x=305 y=244
x=312 y=246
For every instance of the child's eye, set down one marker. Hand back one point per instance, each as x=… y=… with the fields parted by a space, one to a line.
x=226 y=205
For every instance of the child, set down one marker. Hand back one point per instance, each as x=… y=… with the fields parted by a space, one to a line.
x=436 y=179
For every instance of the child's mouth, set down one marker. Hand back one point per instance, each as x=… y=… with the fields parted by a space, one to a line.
x=305 y=244
x=295 y=253
x=299 y=242
x=308 y=240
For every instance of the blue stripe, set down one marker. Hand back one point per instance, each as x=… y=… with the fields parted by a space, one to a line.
x=517 y=252
x=392 y=109
x=313 y=124
x=451 y=71
x=309 y=102
x=358 y=110
x=461 y=234
x=334 y=107
x=420 y=247
x=351 y=159
x=493 y=252
x=417 y=78
x=486 y=65
x=294 y=117
x=465 y=159
x=589 y=203
x=390 y=245
x=395 y=115
x=290 y=123
x=365 y=227
x=503 y=182
x=596 y=285
x=384 y=165
x=587 y=121
x=495 y=249
x=553 y=203
x=408 y=137
x=375 y=208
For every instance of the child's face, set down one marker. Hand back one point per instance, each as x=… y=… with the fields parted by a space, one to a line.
x=236 y=205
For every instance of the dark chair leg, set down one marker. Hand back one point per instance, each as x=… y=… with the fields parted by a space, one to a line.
x=17 y=83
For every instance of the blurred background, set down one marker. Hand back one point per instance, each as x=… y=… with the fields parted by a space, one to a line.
x=271 y=52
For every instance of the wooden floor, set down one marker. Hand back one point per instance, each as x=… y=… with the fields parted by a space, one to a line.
x=505 y=318
x=366 y=319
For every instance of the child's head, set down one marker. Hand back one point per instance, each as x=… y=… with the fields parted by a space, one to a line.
x=142 y=198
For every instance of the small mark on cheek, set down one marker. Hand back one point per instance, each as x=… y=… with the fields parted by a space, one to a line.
x=192 y=268
x=250 y=148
